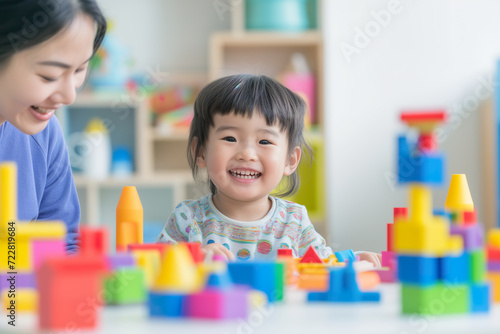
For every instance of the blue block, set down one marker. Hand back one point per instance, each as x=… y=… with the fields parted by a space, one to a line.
x=219 y=281
x=344 y=255
x=416 y=166
x=258 y=275
x=480 y=298
x=316 y=296
x=371 y=296
x=162 y=304
x=419 y=270
x=455 y=269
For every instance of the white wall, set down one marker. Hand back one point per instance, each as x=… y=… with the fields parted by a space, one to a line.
x=427 y=54
x=169 y=34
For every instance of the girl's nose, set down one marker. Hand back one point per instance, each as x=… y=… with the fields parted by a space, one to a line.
x=247 y=153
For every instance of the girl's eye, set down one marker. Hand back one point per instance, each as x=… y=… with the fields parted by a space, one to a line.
x=265 y=142
x=229 y=139
x=78 y=70
x=47 y=79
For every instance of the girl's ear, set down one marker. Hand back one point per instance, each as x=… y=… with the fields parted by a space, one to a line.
x=293 y=161
x=200 y=158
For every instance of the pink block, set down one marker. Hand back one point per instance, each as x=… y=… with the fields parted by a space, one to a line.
x=387 y=276
x=217 y=304
x=387 y=258
x=43 y=249
x=305 y=84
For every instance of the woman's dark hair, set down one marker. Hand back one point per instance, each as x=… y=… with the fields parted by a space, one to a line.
x=26 y=23
x=244 y=94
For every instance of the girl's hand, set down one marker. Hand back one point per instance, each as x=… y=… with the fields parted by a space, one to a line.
x=374 y=258
x=218 y=249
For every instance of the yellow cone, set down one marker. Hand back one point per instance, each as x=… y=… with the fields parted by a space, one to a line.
x=178 y=272
x=459 y=197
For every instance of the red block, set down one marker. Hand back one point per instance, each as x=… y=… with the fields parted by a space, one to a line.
x=311 y=256
x=493 y=253
x=70 y=292
x=94 y=240
x=400 y=213
x=390 y=235
x=432 y=116
x=285 y=252
x=470 y=217
x=195 y=250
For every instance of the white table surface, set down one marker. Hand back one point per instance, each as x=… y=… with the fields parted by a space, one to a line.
x=292 y=316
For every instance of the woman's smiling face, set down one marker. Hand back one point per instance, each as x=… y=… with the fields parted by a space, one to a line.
x=38 y=80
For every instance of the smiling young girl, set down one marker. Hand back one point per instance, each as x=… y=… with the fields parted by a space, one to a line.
x=247 y=134
x=45 y=47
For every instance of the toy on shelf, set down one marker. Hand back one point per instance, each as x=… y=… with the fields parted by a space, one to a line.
x=434 y=258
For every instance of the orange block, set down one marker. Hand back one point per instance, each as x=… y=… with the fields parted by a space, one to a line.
x=314 y=282
x=129 y=219
x=368 y=280
x=494 y=278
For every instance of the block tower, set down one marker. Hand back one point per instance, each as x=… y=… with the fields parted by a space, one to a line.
x=441 y=265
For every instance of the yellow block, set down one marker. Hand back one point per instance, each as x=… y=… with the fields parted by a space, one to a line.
x=8 y=195
x=24 y=235
x=494 y=278
x=494 y=237
x=431 y=238
x=420 y=203
x=149 y=261
x=459 y=197
x=178 y=272
x=26 y=300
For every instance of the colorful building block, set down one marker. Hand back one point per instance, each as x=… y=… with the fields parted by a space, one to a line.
x=219 y=300
x=125 y=286
x=129 y=219
x=195 y=251
x=494 y=237
x=345 y=255
x=43 y=249
x=459 y=197
x=311 y=256
x=343 y=287
x=178 y=272
x=159 y=247
x=478 y=266
x=149 y=261
x=120 y=260
x=26 y=300
x=480 y=297
x=21 y=280
x=472 y=235
x=167 y=304
x=68 y=292
x=8 y=197
x=438 y=299
x=494 y=278
x=94 y=240
x=260 y=276
x=426 y=168
x=25 y=235
x=418 y=270
x=455 y=269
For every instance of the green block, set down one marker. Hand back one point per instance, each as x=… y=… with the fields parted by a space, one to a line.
x=478 y=266
x=279 y=278
x=437 y=299
x=125 y=286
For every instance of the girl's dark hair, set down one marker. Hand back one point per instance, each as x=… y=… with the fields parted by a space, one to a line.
x=26 y=23
x=243 y=94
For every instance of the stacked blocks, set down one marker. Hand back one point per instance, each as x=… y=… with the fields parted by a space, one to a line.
x=493 y=258
x=29 y=243
x=181 y=291
x=441 y=267
x=388 y=273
